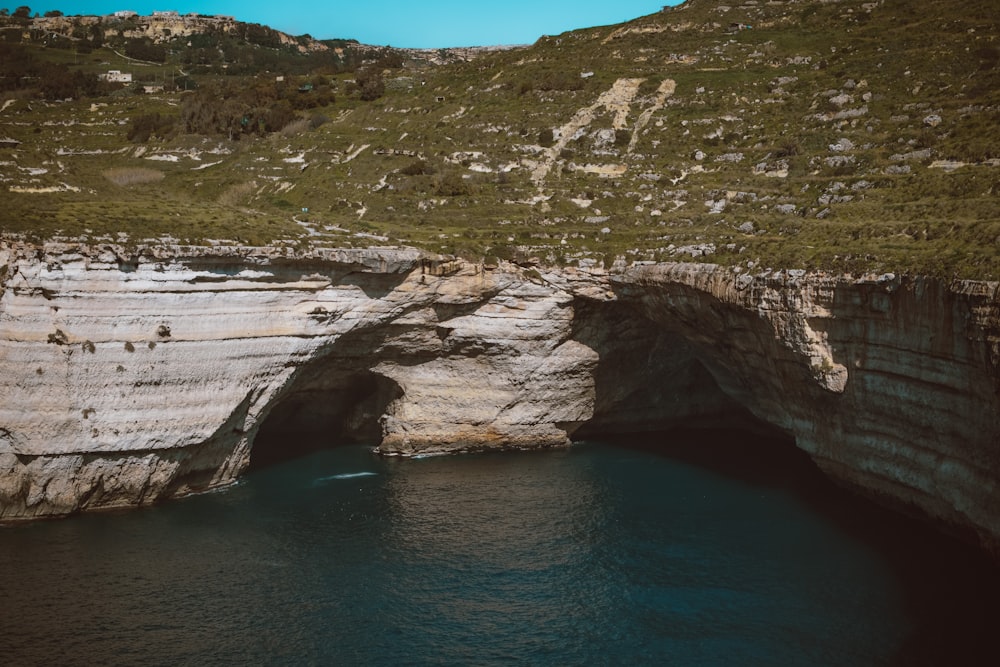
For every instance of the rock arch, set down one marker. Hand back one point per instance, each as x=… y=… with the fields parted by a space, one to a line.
x=331 y=402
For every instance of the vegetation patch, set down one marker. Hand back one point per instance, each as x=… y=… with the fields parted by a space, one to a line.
x=847 y=136
x=129 y=176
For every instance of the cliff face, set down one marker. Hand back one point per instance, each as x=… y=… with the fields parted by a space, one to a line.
x=890 y=385
x=127 y=379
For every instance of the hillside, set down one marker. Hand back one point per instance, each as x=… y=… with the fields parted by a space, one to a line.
x=845 y=135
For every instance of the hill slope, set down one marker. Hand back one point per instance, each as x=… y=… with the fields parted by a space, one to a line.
x=848 y=135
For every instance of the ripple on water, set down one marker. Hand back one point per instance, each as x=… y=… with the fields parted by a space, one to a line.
x=594 y=555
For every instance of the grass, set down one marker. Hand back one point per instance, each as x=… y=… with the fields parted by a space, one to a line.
x=238 y=194
x=355 y=171
x=129 y=176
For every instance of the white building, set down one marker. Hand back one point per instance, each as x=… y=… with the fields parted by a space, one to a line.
x=116 y=76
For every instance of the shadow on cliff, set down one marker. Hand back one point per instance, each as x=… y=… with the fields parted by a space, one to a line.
x=333 y=399
x=648 y=378
x=375 y=284
x=323 y=410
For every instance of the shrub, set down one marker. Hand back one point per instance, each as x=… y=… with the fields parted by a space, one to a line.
x=318 y=120
x=59 y=338
x=275 y=117
x=149 y=125
x=145 y=49
x=370 y=82
x=559 y=81
x=297 y=126
x=451 y=184
x=788 y=149
x=417 y=168
x=58 y=82
x=391 y=60
x=238 y=194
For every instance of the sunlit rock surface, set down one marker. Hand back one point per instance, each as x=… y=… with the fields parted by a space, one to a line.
x=128 y=376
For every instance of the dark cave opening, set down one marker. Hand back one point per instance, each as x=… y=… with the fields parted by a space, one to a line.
x=324 y=407
x=651 y=379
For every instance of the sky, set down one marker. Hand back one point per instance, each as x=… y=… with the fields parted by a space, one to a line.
x=400 y=23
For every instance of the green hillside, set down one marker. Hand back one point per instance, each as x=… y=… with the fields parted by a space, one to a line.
x=846 y=135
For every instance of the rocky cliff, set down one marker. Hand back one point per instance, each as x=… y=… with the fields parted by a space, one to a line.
x=129 y=376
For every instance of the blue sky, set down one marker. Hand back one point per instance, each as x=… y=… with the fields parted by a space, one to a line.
x=402 y=23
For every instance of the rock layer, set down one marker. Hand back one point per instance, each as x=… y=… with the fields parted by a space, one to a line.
x=131 y=376
x=889 y=384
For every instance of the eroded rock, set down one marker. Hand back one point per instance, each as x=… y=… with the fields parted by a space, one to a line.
x=173 y=365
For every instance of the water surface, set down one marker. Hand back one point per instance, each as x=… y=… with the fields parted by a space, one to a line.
x=596 y=555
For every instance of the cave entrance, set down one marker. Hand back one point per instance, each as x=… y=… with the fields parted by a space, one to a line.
x=326 y=405
x=657 y=389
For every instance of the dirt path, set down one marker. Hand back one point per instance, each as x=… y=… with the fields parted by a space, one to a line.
x=666 y=89
x=617 y=101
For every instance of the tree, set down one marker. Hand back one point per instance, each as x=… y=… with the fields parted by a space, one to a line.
x=391 y=59
x=370 y=81
x=52 y=13
x=58 y=82
x=145 y=49
x=150 y=125
x=96 y=36
x=22 y=15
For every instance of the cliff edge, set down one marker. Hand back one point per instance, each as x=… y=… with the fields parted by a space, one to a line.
x=133 y=375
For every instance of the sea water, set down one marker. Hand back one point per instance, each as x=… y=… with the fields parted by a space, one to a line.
x=594 y=555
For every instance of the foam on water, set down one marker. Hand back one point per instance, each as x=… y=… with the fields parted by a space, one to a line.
x=346 y=475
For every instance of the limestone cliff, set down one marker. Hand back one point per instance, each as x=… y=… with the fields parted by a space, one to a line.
x=131 y=376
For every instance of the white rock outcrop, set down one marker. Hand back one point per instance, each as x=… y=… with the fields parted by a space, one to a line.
x=128 y=376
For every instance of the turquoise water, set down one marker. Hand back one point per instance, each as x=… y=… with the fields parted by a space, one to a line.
x=596 y=555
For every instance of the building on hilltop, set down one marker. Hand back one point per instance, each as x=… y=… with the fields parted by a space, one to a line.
x=116 y=76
